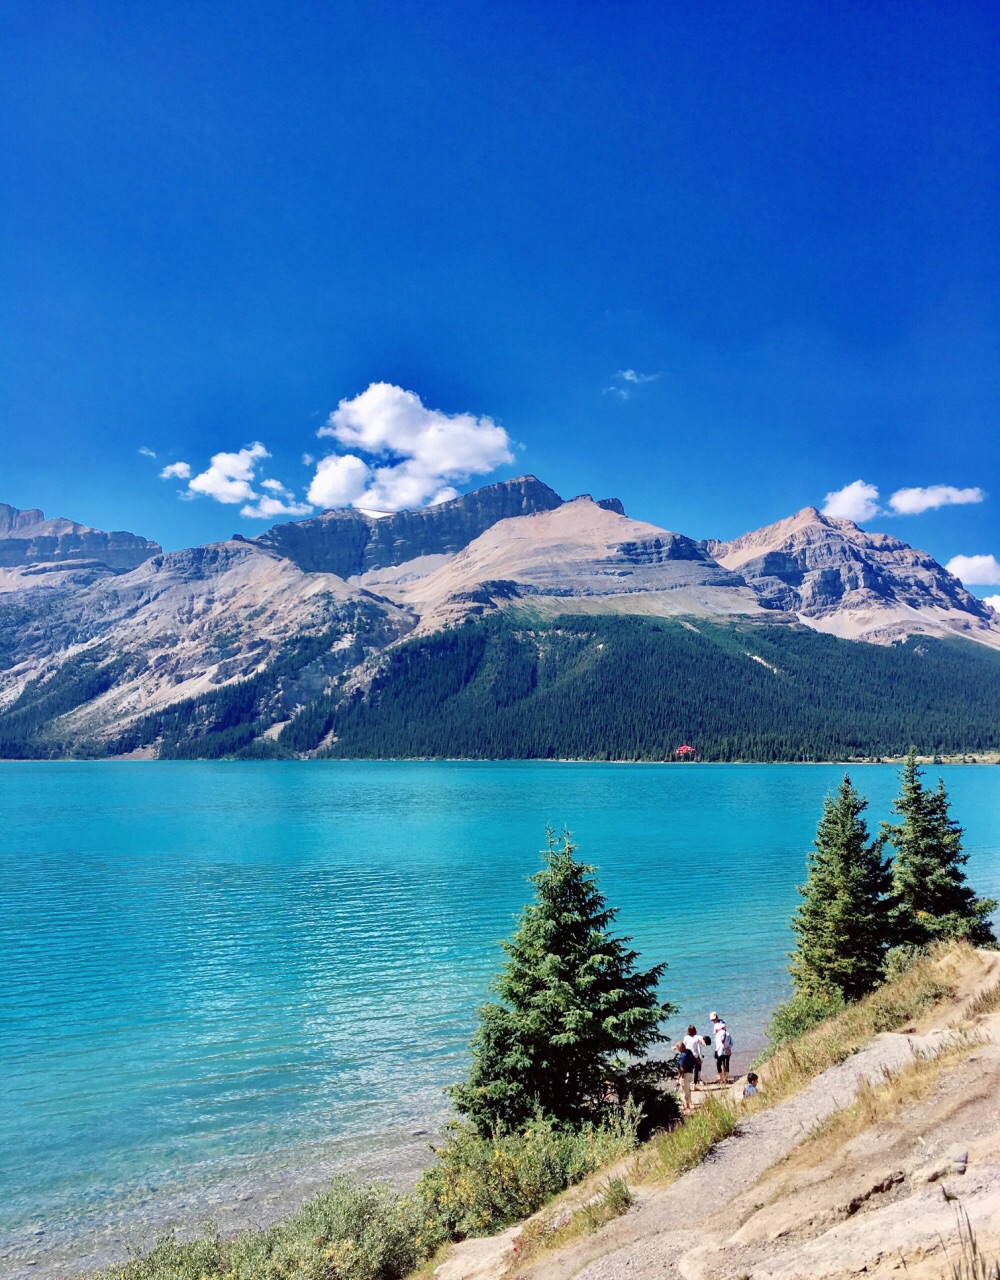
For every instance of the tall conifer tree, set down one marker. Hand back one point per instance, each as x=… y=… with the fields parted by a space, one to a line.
x=842 y=925
x=571 y=1001
x=935 y=900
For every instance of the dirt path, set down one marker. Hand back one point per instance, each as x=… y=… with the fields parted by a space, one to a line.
x=749 y=1211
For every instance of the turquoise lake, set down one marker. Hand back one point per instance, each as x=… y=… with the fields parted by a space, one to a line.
x=222 y=981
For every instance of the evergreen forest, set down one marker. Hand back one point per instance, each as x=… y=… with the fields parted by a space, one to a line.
x=578 y=687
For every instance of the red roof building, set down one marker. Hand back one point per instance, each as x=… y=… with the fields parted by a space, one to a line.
x=685 y=750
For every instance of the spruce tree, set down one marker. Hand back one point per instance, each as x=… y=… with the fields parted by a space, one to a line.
x=935 y=900
x=843 y=923
x=571 y=1003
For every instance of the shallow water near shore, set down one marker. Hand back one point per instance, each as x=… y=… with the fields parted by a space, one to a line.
x=220 y=982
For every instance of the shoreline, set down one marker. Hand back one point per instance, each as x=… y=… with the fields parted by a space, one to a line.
x=969 y=758
x=134 y=1218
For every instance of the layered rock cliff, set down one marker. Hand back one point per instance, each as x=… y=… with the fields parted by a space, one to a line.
x=839 y=578
x=579 y=557
x=26 y=537
x=349 y=543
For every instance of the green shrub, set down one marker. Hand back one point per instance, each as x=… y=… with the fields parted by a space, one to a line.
x=480 y=1185
x=899 y=959
x=798 y=1015
x=347 y=1232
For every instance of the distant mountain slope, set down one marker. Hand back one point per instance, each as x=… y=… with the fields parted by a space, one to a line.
x=862 y=586
x=26 y=537
x=181 y=625
x=637 y=688
x=349 y=543
x=615 y=688
x=252 y=647
x=579 y=557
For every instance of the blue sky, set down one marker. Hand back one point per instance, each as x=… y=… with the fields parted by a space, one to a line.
x=223 y=220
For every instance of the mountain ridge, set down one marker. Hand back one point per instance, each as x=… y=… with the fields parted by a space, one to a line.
x=26 y=537
x=252 y=633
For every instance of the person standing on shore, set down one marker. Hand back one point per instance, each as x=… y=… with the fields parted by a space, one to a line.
x=685 y=1067
x=694 y=1042
x=723 y=1047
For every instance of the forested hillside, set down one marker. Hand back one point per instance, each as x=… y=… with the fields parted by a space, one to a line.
x=634 y=689
x=607 y=688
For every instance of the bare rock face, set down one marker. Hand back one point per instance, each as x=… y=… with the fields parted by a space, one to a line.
x=26 y=537
x=580 y=557
x=181 y=624
x=350 y=543
x=837 y=577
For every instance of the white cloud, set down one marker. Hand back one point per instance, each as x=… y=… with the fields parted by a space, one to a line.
x=147 y=453
x=266 y=508
x=982 y=571
x=339 y=481
x=422 y=450
x=911 y=502
x=625 y=379
x=993 y=602
x=857 y=501
x=307 y=459
x=228 y=476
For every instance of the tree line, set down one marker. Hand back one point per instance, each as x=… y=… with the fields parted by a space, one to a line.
x=870 y=904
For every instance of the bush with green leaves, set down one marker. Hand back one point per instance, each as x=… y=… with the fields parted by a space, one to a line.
x=350 y=1231
x=799 y=1014
x=479 y=1185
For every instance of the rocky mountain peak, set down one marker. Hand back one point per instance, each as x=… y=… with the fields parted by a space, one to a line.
x=26 y=537
x=844 y=579
x=350 y=543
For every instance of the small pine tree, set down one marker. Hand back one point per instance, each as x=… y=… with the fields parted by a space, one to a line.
x=935 y=900
x=571 y=1002
x=843 y=923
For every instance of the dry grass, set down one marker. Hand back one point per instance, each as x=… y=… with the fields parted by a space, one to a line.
x=971 y=1263
x=988 y=1001
x=796 y=1063
x=541 y=1234
x=882 y=1102
x=671 y=1154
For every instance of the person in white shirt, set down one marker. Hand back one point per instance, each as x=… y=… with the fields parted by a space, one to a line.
x=723 y=1047
x=694 y=1042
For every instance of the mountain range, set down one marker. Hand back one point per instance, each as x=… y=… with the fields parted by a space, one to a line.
x=504 y=606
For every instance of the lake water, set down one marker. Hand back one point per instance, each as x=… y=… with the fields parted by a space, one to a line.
x=218 y=982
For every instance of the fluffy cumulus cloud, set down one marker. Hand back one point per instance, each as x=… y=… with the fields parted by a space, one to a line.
x=911 y=502
x=857 y=501
x=228 y=476
x=978 y=571
x=231 y=478
x=340 y=480
x=401 y=454
x=993 y=602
